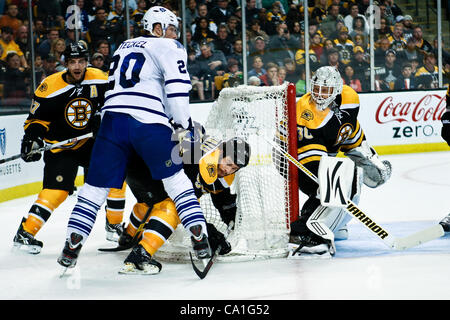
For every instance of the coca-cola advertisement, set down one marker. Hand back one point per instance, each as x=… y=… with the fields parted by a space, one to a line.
x=403 y=118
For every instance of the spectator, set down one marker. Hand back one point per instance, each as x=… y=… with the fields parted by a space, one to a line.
x=51 y=10
x=191 y=13
x=10 y=19
x=386 y=13
x=221 y=13
x=102 y=46
x=445 y=54
x=233 y=76
x=319 y=11
x=361 y=41
x=83 y=22
x=254 y=81
x=282 y=73
x=99 y=29
x=292 y=71
x=222 y=42
x=343 y=7
x=397 y=41
x=406 y=80
x=391 y=70
x=191 y=44
x=393 y=7
x=384 y=31
x=316 y=44
x=98 y=61
x=275 y=16
x=350 y=79
x=258 y=69
x=300 y=57
x=354 y=12
x=333 y=60
x=45 y=46
x=40 y=32
x=49 y=65
x=329 y=22
x=196 y=76
x=359 y=28
x=411 y=52
x=203 y=14
x=300 y=86
x=408 y=27
x=233 y=27
x=282 y=45
x=361 y=67
x=260 y=50
x=335 y=34
x=295 y=30
x=213 y=63
x=428 y=75
x=15 y=89
x=380 y=52
x=9 y=45
x=327 y=45
x=271 y=78
x=344 y=45
x=237 y=53
x=203 y=33
x=38 y=69
x=137 y=16
x=22 y=41
x=256 y=31
x=421 y=43
x=115 y=21
x=57 y=50
x=95 y=5
x=251 y=11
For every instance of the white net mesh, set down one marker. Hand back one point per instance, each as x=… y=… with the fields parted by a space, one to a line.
x=261 y=226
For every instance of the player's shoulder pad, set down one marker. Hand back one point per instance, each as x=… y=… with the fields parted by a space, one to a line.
x=50 y=85
x=350 y=98
x=208 y=166
x=93 y=74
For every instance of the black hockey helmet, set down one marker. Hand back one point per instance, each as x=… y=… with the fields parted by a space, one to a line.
x=238 y=149
x=76 y=50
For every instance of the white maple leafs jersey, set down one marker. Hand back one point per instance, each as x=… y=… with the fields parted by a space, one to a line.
x=148 y=79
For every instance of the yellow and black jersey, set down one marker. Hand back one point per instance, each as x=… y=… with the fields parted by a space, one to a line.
x=345 y=50
x=330 y=131
x=63 y=110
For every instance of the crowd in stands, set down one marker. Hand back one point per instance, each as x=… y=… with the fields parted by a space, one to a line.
x=338 y=35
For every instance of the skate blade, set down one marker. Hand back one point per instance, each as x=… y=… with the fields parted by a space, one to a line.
x=112 y=236
x=309 y=255
x=129 y=268
x=25 y=248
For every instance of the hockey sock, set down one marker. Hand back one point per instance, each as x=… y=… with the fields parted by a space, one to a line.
x=83 y=215
x=115 y=205
x=48 y=200
x=163 y=222
x=138 y=213
x=180 y=190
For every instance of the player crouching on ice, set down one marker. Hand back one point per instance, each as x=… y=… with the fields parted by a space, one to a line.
x=327 y=123
x=211 y=166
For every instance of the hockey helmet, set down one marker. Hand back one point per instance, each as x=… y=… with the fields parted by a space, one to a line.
x=76 y=50
x=326 y=85
x=161 y=15
x=238 y=150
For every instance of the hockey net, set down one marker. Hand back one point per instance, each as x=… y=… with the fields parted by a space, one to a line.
x=267 y=189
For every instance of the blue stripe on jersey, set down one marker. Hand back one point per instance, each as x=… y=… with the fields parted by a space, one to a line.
x=177 y=81
x=179 y=94
x=139 y=94
x=134 y=107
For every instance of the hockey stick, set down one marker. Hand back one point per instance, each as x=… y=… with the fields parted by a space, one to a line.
x=49 y=147
x=202 y=274
x=135 y=239
x=381 y=233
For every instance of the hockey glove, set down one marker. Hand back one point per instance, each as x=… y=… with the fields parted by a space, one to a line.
x=216 y=238
x=445 y=132
x=29 y=146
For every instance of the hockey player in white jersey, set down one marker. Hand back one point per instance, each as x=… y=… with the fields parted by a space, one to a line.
x=149 y=90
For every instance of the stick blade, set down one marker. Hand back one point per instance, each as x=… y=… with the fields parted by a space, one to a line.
x=419 y=237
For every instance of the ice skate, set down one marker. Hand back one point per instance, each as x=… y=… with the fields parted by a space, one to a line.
x=200 y=242
x=113 y=231
x=69 y=255
x=445 y=223
x=309 y=246
x=139 y=261
x=25 y=241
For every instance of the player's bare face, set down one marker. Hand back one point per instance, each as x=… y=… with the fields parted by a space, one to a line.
x=171 y=32
x=75 y=69
x=226 y=167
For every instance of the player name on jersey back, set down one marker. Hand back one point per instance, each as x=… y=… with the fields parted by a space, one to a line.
x=144 y=74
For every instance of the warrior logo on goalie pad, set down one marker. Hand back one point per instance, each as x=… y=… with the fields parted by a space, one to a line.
x=335 y=181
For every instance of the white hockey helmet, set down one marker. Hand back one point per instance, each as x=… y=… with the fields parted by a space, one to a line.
x=160 y=15
x=326 y=84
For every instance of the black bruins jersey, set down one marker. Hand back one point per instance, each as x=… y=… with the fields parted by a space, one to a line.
x=327 y=132
x=65 y=110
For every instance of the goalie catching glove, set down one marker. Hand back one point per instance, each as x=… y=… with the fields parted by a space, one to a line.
x=376 y=172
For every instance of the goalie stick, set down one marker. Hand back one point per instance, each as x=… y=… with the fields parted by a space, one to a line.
x=381 y=233
x=202 y=274
x=135 y=239
x=49 y=147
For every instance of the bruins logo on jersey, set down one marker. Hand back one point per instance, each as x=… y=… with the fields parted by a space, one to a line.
x=78 y=112
x=211 y=168
x=308 y=115
x=344 y=132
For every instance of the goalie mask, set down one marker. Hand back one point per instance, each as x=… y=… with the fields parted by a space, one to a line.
x=326 y=85
x=160 y=15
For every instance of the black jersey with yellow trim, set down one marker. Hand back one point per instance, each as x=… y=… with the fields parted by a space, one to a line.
x=329 y=131
x=65 y=110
